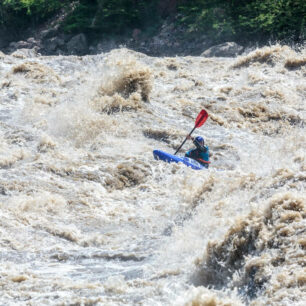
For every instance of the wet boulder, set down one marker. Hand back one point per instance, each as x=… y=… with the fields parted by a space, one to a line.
x=53 y=44
x=4 y=38
x=30 y=43
x=19 y=45
x=228 y=49
x=25 y=53
x=77 y=45
x=48 y=33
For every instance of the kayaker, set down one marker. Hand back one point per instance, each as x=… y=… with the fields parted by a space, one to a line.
x=200 y=153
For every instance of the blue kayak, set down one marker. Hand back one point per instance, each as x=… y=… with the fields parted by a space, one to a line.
x=170 y=158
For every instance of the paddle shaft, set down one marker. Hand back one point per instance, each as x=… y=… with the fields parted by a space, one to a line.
x=185 y=140
x=201 y=118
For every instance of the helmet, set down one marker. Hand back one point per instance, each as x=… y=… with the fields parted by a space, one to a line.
x=199 y=139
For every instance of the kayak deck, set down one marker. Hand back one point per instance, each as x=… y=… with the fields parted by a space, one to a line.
x=170 y=158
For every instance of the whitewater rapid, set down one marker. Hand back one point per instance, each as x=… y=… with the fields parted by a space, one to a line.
x=88 y=217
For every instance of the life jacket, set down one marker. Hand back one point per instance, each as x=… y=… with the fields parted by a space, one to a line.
x=199 y=154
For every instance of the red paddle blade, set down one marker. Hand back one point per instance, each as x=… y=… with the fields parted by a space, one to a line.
x=202 y=117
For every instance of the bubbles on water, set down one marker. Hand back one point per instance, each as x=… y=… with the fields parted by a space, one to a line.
x=37 y=72
x=269 y=55
x=126 y=86
x=257 y=249
x=128 y=174
x=205 y=297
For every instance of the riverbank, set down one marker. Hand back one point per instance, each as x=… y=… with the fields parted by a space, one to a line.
x=161 y=28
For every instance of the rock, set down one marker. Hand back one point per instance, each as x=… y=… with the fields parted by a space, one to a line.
x=2 y=55
x=5 y=38
x=106 y=46
x=31 y=40
x=136 y=34
x=77 y=45
x=99 y=48
x=48 y=33
x=12 y=45
x=66 y=37
x=25 y=53
x=20 y=45
x=2 y=42
x=31 y=43
x=53 y=43
x=228 y=49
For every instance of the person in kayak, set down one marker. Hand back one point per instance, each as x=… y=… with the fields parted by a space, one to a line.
x=200 y=153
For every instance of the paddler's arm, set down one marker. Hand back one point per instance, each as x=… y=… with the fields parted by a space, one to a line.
x=203 y=161
x=203 y=149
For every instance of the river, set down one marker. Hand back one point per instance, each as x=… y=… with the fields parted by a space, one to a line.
x=88 y=217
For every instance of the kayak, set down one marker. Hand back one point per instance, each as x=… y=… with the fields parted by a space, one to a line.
x=170 y=158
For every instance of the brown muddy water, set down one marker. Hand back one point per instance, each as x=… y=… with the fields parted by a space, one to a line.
x=88 y=217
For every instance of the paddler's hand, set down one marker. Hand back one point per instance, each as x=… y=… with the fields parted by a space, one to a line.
x=189 y=137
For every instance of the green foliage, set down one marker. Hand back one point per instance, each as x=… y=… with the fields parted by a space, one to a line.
x=110 y=16
x=34 y=7
x=81 y=18
x=219 y=19
x=117 y=15
x=207 y=16
x=266 y=18
x=19 y=13
x=248 y=19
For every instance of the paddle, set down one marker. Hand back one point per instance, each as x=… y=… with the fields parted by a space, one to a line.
x=202 y=117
